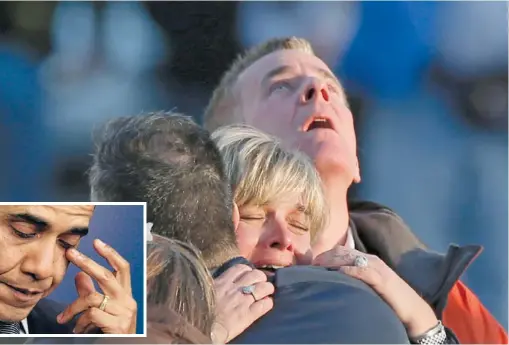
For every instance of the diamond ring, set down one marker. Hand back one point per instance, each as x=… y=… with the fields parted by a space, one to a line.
x=360 y=261
x=249 y=290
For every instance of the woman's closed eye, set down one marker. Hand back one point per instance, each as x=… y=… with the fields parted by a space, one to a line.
x=299 y=226
x=252 y=217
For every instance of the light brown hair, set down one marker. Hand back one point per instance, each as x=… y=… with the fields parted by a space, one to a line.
x=222 y=107
x=178 y=280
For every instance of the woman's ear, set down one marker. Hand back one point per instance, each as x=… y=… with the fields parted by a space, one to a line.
x=235 y=216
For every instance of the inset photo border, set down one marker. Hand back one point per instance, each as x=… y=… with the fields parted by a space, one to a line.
x=73 y=269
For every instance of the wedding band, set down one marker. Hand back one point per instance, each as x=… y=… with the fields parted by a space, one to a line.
x=249 y=290
x=104 y=302
x=360 y=261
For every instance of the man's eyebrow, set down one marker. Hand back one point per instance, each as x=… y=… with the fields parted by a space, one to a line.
x=42 y=224
x=78 y=231
x=285 y=69
x=30 y=218
x=274 y=72
x=328 y=75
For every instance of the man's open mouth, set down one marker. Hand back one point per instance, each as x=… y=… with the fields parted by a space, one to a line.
x=319 y=122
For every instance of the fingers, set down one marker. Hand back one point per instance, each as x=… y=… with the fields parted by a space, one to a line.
x=104 y=277
x=83 y=303
x=84 y=284
x=261 y=307
x=337 y=257
x=94 y=316
x=119 y=264
x=83 y=325
x=233 y=273
x=262 y=290
x=251 y=278
x=366 y=274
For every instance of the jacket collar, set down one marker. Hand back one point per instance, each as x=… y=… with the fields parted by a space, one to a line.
x=378 y=230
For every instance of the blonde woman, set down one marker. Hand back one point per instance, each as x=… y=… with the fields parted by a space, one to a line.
x=278 y=193
x=282 y=208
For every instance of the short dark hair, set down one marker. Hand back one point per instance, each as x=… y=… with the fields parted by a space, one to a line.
x=168 y=161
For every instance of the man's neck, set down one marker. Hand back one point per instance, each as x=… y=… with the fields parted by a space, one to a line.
x=336 y=230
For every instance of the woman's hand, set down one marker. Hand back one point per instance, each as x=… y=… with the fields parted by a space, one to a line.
x=237 y=310
x=412 y=310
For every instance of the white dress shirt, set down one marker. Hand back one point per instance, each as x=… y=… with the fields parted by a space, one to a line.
x=24 y=327
x=349 y=243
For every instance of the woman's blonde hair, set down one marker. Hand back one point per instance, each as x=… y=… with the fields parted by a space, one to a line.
x=178 y=280
x=262 y=171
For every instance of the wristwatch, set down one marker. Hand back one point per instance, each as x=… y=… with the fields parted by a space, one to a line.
x=436 y=335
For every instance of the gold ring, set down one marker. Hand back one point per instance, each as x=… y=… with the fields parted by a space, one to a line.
x=104 y=302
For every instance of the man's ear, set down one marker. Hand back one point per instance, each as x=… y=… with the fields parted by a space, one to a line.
x=235 y=216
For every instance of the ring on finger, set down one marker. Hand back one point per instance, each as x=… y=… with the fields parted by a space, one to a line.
x=360 y=261
x=104 y=302
x=249 y=290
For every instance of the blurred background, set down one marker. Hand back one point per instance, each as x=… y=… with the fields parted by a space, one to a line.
x=427 y=82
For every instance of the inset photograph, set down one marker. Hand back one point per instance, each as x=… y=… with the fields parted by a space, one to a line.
x=72 y=269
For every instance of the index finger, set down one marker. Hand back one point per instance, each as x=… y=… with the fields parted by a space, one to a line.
x=336 y=257
x=119 y=264
x=104 y=277
x=233 y=272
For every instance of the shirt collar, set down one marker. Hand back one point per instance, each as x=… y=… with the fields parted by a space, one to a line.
x=349 y=243
x=24 y=326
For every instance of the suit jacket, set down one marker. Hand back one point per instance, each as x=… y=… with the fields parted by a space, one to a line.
x=43 y=319
x=314 y=305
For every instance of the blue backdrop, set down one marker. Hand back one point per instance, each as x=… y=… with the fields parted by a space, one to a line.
x=121 y=227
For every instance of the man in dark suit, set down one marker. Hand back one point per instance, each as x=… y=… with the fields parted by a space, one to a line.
x=37 y=243
x=284 y=89
x=172 y=164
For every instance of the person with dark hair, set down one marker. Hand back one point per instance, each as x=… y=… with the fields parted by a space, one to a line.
x=168 y=161
x=154 y=159
x=37 y=243
x=312 y=304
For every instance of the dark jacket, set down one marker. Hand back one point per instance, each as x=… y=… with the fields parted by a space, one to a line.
x=380 y=231
x=43 y=319
x=314 y=305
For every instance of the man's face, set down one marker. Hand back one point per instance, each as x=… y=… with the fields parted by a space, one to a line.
x=33 y=241
x=295 y=96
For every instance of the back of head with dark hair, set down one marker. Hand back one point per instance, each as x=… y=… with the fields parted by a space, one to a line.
x=170 y=162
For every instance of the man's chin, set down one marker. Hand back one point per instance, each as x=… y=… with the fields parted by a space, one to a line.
x=9 y=313
x=332 y=164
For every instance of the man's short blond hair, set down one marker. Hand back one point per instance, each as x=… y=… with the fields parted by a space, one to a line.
x=221 y=109
x=261 y=171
